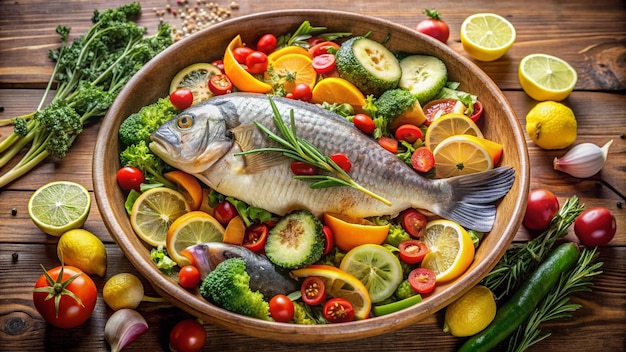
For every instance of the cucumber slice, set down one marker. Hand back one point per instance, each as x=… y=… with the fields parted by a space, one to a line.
x=368 y=65
x=296 y=241
x=424 y=76
x=195 y=78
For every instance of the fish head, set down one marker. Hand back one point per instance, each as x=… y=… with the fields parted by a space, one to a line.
x=193 y=140
x=206 y=256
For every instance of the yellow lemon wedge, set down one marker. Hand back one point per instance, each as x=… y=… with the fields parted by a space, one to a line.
x=190 y=229
x=451 y=249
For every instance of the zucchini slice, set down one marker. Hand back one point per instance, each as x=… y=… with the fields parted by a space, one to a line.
x=424 y=76
x=296 y=241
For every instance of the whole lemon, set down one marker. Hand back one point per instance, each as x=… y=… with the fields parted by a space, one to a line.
x=551 y=125
x=471 y=313
x=84 y=250
x=123 y=290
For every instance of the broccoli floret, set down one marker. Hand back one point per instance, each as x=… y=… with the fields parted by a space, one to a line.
x=140 y=125
x=62 y=123
x=399 y=106
x=140 y=156
x=396 y=235
x=228 y=285
x=404 y=290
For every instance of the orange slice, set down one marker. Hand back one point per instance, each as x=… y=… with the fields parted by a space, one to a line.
x=336 y=90
x=243 y=80
x=235 y=231
x=292 y=69
x=465 y=154
x=190 y=229
x=188 y=186
x=350 y=232
x=451 y=249
x=292 y=49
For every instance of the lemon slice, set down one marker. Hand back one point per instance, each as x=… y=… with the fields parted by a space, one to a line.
x=545 y=77
x=451 y=249
x=195 y=78
x=376 y=267
x=59 y=206
x=154 y=211
x=449 y=125
x=487 y=36
x=190 y=229
x=463 y=154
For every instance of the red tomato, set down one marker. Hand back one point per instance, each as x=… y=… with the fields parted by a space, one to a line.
x=71 y=312
x=342 y=161
x=241 y=53
x=313 y=290
x=434 y=26
x=187 y=336
x=189 y=277
x=266 y=44
x=313 y=41
x=338 y=310
x=422 y=159
x=324 y=63
x=220 y=84
x=436 y=108
x=414 y=222
x=303 y=92
x=329 y=239
x=412 y=251
x=422 y=280
x=219 y=64
x=281 y=308
x=408 y=133
x=325 y=47
x=364 y=123
x=388 y=143
x=255 y=238
x=130 y=177
x=301 y=168
x=542 y=207
x=224 y=212
x=181 y=98
x=257 y=62
x=478 y=111
x=595 y=227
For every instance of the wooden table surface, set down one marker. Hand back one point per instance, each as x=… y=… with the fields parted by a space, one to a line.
x=590 y=35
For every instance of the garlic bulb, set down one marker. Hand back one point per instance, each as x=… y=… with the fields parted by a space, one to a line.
x=583 y=160
x=123 y=327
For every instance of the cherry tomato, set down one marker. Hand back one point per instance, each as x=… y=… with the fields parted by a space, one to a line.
x=219 y=64
x=437 y=108
x=329 y=239
x=187 y=336
x=388 y=143
x=364 y=123
x=542 y=207
x=414 y=222
x=325 y=47
x=324 y=63
x=313 y=290
x=408 y=133
x=595 y=227
x=303 y=92
x=255 y=238
x=224 y=212
x=412 y=251
x=301 y=168
x=241 y=53
x=434 y=26
x=338 y=310
x=266 y=44
x=220 y=84
x=478 y=111
x=422 y=280
x=422 y=159
x=342 y=161
x=281 y=308
x=189 y=277
x=181 y=98
x=257 y=62
x=71 y=311
x=130 y=177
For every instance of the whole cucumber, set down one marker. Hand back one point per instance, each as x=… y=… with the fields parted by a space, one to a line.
x=519 y=306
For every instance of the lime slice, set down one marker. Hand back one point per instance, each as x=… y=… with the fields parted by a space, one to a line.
x=60 y=206
x=487 y=36
x=195 y=78
x=376 y=267
x=545 y=77
x=154 y=211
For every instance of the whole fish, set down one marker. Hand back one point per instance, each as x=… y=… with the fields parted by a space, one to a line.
x=264 y=276
x=204 y=140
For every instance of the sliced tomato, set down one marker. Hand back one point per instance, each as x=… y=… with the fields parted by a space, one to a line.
x=436 y=108
x=324 y=63
x=414 y=222
x=313 y=290
x=255 y=238
x=338 y=310
x=388 y=143
x=220 y=85
x=478 y=111
x=412 y=251
x=408 y=133
x=422 y=280
x=329 y=239
x=342 y=161
x=423 y=159
x=326 y=47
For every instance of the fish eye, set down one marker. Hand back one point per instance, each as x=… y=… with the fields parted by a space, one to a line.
x=184 y=122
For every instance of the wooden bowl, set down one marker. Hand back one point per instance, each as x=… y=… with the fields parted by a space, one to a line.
x=499 y=123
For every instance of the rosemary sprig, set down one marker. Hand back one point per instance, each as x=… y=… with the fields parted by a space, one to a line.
x=520 y=260
x=300 y=149
x=557 y=303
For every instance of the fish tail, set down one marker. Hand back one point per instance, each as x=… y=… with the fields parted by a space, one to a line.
x=473 y=197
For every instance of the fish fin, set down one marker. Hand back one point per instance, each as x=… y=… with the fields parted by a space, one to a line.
x=473 y=197
x=256 y=162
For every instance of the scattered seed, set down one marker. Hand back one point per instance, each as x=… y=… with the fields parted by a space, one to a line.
x=14 y=257
x=619 y=204
x=14 y=211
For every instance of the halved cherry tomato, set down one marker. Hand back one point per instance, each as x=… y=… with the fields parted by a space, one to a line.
x=187 y=336
x=266 y=44
x=326 y=47
x=301 y=168
x=414 y=222
x=281 y=308
x=219 y=64
x=301 y=91
x=189 y=277
x=255 y=238
x=436 y=108
x=324 y=63
x=220 y=84
x=364 y=123
x=342 y=161
x=412 y=251
x=478 y=111
x=241 y=53
x=181 y=98
x=338 y=310
x=388 y=143
x=224 y=212
x=329 y=239
x=130 y=177
x=408 y=133
x=422 y=280
x=313 y=290
x=257 y=62
x=422 y=159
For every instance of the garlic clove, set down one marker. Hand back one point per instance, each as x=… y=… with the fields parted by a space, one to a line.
x=583 y=160
x=123 y=327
